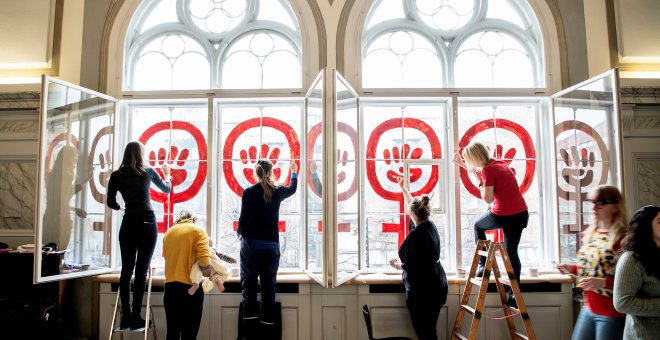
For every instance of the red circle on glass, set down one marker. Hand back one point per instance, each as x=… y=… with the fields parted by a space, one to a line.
x=228 y=167
x=197 y=183
x=313 y=135
x=103 y=176
x=520 y=132
x=602 y=148
x=372 y=144
x=51 y=147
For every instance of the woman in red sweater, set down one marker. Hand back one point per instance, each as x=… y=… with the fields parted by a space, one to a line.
x=507 y=208
x=601 y=247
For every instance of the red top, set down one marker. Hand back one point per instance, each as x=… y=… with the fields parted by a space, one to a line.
x=507 y=197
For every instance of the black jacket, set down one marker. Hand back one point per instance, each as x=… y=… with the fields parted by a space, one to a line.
x=134 y=189
x=420 y=257
x=259 y=219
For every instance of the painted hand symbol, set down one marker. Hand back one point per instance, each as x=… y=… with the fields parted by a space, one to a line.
x=575 y=164
x=397 y=156
x=250 y=157
x=174 y=158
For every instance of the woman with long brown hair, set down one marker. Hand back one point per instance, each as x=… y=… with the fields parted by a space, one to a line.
x=260 y=239
x=601 y=247
x=637 y=280
x=138 y=232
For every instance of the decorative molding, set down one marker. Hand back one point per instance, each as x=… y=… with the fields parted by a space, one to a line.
x=113 y=10
x=323 y=36
x=561 y=37
x=341 y=35
x=613 y=41
x=18 y=101
x=646 y=171
x=54 y=68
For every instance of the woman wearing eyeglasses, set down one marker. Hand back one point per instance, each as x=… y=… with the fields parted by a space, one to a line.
x=601 y=247
x=260 y=239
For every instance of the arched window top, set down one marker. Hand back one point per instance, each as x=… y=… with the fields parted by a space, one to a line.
x=475 y=44
x=194 y=44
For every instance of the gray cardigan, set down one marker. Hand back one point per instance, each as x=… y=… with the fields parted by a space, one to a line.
x=638 y=295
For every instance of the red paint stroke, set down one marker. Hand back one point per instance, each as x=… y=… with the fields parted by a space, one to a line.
x=586 y=160
x=372 y=177
x=104 y=160
x=51 y=147
x=173 y=197
x=227 y=164
x=341 y=227
x=520 y=132
x=312 y=136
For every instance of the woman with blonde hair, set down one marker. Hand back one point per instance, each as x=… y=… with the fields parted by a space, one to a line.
x=260 y=240
x=507 y=208
x=601 y=247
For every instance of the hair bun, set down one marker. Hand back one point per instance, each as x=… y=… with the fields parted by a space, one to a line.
x=426 y=200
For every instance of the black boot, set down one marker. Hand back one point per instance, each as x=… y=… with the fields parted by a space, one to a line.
x=511 y=299
x=481 y=267
x=125 y=320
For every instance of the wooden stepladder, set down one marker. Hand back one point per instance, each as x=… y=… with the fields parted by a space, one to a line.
x=492 y=249
x=149 y=317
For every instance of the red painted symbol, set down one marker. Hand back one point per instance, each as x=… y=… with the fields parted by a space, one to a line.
x=395 y=156
x=249 y=156
x=498 y=151
x=580 y=165
x=99 y=191
x=61 y=138
x=175 y=159
x=342 y=159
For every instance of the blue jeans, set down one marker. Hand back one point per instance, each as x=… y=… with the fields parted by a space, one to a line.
x=259 y=263
x=598 y=327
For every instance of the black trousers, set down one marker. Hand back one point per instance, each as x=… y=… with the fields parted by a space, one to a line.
x=137 y=240
x=183 y=312
x=512 y=226
x=259 y=264
x=424 y=307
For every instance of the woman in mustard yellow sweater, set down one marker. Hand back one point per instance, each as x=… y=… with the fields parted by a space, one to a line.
x=183 y=245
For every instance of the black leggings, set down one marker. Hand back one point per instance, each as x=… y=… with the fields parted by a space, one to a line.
x=137 y=240
x=183 y=312
x=512 y=226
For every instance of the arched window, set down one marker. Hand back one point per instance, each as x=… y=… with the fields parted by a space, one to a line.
x=478 y=61
x=206 y=44
x=456 y=44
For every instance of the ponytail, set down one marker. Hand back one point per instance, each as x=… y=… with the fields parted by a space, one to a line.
x=263 y=169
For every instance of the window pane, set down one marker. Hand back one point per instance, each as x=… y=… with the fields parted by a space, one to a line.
x=250 y=132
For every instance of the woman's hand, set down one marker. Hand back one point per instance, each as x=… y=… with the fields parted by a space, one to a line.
x=294 y=167
x=458 y=159
x=591 y=283
x=395 y=264
x=564 y=268
x=400 y=182
x=166 y=170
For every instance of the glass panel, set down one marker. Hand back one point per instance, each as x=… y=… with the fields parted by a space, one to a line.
x=588 y=153
x=508 y=130
x=315 y=247
x=76 y=158
x=399 y=138
x=346 y=138
x=249 y=131
x=175 y=135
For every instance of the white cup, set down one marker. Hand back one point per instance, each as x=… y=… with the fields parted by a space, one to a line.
x=460 y=273
x=235 y=272
x=533 y=272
